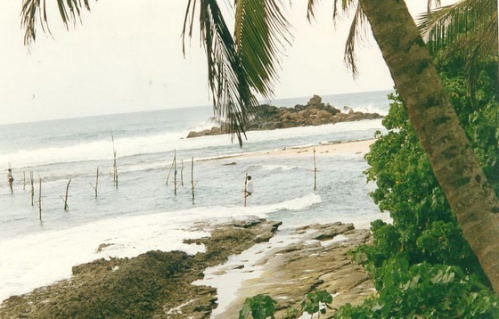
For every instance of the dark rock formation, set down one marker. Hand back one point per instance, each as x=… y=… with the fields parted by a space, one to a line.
x=315 y=112
x=159 y=285
x=318 y=261
x=155 y=284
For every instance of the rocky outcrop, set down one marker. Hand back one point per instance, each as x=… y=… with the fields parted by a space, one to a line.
x=213 y=131
x=160 y=284
x=319 y=260
x=155 y=284
x=315 y=112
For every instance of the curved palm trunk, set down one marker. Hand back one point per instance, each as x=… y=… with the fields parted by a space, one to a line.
x=452 y=159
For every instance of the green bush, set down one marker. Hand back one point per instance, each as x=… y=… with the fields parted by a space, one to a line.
x=263 y=306
x=421 y=264
x=425 y=291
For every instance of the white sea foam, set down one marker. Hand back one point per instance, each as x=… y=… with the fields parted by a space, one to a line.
x=39 y=259
x=143 y=213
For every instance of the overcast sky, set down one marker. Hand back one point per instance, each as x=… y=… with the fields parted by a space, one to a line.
x=127 y=56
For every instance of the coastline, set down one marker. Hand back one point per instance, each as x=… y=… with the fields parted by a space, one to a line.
x=330 y=149
x=268 y=268
x=291 y=265
x=262 y=261
x=243 y=258
x=359 y=147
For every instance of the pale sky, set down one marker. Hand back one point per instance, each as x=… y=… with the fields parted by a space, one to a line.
x=126 y=56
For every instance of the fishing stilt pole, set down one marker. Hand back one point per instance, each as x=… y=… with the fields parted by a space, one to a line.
x=175 y=173
x=115 y=163
x=32 y=188
x=245 y=189
x=66 y=197
x=182 y=173
x=171 y=168
x=96 y=182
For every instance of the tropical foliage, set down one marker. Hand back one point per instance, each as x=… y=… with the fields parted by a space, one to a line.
x=424 y=291
x=469 y=27
x=34 y=11
x=424 y=242
x=263 y=306
x=258 y=307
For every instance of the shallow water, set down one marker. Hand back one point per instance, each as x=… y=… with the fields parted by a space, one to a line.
x=144 y=213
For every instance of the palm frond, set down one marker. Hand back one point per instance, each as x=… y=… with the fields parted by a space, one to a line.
x=310 y=10
x=468 y=27
x=261 y=34
x=33 y=10
x=467 y=18
x=241 y=64
x=354 y=35
x=231 y=94
x=356 y=32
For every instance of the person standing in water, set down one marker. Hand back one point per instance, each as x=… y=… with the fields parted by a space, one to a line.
x=249 y=186
x=10 y=178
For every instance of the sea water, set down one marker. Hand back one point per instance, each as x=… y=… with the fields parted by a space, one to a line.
x=144 y=211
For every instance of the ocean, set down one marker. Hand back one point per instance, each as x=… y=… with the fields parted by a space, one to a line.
x=144 y=212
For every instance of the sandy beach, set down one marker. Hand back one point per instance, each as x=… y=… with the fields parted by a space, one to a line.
x=332 y=149
x=325 y=149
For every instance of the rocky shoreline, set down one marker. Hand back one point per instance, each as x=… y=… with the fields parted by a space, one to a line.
x=315 y=112
x=160 y=284
x=317 y=260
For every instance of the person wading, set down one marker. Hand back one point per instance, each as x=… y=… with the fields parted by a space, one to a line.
x=10 y=178
x=249 y=186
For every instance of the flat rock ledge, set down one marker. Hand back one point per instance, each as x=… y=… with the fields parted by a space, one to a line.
x=159 y=284
x=318 y=261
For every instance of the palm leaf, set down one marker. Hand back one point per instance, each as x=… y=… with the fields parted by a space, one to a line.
x=354 y=35
x=311 y=10
x=69 y=10
x=448 y=24
x=468 y=27
x=260 y=30
x=241 y=64
x=357 y=28
x=231 y=94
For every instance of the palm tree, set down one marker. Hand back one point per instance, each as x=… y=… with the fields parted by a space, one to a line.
x=469 y=27
x=246 y=61
x=453 y=162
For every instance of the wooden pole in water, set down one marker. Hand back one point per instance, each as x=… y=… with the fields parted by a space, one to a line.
x=245 y=188
x=40 y=200
x=175 y=173
x=96 y=182
x=115 y=164
x=24 y=180
x=32 y=188
x=182 y=173
x=66 y=197
x=170 y=171
x=315 y=172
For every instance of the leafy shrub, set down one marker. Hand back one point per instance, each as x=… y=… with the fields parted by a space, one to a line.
x=425 y=291
x=263 y=306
